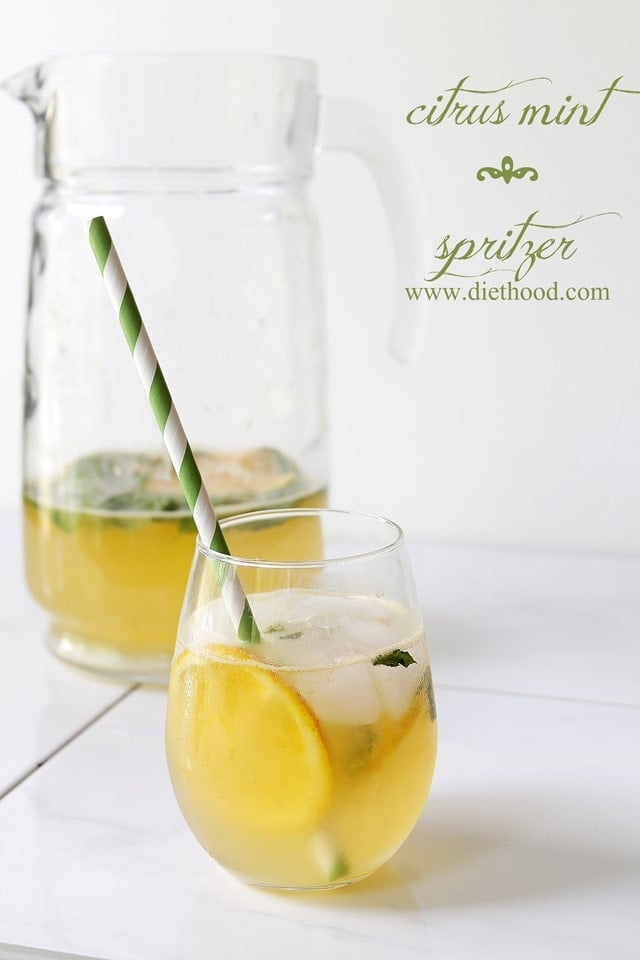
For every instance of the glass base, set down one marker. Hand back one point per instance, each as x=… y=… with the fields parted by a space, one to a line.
x=301 y=888
x=74 y=649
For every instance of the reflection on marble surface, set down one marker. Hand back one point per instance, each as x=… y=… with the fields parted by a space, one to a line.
x=43 y=702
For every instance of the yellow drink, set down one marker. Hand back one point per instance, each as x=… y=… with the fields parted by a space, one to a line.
x=298 y=762
x=109 y=543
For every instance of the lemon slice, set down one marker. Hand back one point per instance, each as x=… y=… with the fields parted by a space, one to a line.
x=250 y=748
x=230 y=477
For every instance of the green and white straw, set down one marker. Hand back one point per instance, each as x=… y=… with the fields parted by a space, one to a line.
x=175 y=439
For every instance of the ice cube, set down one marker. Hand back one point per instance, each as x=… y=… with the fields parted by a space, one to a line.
x=342 y=695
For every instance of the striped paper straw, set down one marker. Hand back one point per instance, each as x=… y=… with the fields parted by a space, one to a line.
x=169 y=422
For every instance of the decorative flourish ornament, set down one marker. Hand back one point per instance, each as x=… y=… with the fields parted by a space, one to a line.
x=506 y=172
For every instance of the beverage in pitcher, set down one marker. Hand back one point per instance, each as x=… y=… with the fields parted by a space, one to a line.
x=109 y=541
x=213 y=217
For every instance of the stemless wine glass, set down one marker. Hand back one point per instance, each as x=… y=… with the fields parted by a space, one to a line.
x=302 y=760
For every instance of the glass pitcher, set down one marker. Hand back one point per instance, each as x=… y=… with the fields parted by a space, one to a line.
x=201 y=167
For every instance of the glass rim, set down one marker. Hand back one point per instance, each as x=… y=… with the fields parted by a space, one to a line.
x=240 y=519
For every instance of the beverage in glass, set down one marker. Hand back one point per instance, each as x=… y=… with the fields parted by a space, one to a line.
x=303 y=760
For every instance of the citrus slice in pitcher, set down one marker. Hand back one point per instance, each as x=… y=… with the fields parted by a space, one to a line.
x=250 y=748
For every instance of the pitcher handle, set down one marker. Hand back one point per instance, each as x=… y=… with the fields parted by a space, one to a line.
x=359 y=128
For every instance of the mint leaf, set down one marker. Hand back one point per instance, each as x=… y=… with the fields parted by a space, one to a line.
x=186 y=525
x=339 y=869
x=362 y=747
x=431 y=697
x=279 y=627
x=396 y=658
x=66 y=520
x=143 y=500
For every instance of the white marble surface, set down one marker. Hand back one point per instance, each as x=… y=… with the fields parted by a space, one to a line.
x=527 y=848
x=42 y=701
x=560 y=624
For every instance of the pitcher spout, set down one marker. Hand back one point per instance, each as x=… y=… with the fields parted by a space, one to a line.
x=29 y=86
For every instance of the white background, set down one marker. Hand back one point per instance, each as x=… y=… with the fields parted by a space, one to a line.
x=520 y=423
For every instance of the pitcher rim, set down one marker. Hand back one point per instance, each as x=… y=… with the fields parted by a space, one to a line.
x=157 y=56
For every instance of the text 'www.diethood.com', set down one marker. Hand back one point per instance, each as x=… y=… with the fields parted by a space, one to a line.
x=482 y=292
